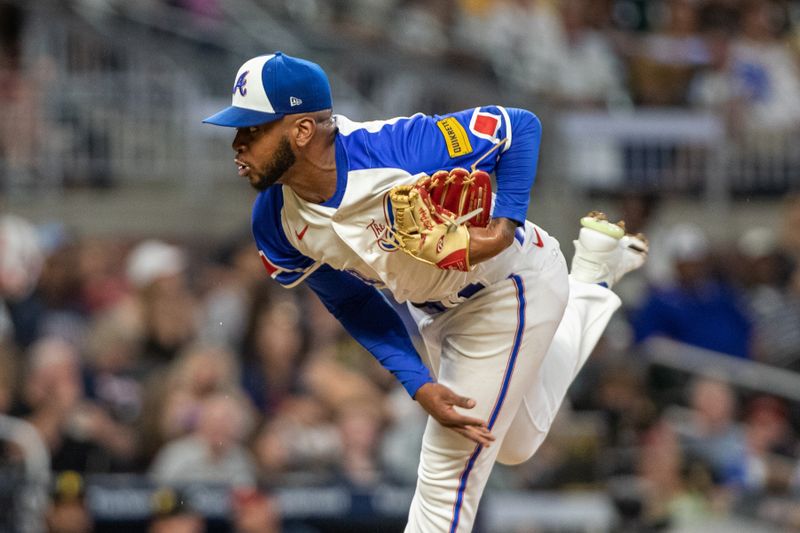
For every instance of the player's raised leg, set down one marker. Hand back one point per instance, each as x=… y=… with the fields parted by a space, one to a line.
x=492 y=347
x=603 y=254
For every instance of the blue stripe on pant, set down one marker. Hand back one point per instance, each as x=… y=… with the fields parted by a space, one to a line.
x=462 y=486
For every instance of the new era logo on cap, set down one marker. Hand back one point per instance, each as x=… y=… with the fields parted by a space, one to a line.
x=270 y=86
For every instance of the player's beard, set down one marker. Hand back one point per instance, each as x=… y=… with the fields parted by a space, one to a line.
x=282 y=160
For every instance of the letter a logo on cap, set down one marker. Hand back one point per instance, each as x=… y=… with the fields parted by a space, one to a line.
x=279 y=85
x=241 y=83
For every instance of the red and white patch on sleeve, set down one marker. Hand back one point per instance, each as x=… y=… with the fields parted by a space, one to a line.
x=485 y=125
x=272 y=269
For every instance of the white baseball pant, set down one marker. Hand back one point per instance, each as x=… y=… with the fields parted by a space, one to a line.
x=515 y=347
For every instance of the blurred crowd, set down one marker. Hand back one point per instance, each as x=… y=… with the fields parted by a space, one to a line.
x=186 y=363
x=739 y=57
x=738 y=60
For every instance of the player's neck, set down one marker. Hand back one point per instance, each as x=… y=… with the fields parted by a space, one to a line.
x=313 y=176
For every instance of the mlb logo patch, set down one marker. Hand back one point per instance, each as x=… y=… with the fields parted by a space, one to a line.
x=485 y=125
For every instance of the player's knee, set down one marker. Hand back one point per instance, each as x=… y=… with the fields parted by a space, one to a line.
x=514 y=455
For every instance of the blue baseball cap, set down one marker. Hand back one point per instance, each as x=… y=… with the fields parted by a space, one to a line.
x=270 y=86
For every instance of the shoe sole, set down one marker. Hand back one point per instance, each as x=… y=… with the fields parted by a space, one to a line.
x=603 y=226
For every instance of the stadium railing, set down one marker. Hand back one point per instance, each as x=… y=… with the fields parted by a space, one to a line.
x=108 y=111
x=740 y=373
x=23 y=488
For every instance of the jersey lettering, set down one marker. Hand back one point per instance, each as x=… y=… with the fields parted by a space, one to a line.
x=455 y=137
x=380 y=233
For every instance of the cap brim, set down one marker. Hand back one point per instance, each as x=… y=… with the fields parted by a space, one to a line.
x=239 y=117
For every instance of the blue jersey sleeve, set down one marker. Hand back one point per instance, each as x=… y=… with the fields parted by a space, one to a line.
x=516 y=167
x=283 y=261
x=369 y=318
x=495 y=139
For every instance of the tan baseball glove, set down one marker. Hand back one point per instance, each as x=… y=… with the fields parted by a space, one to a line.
x=432 y=216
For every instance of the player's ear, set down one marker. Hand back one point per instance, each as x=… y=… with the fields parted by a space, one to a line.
x=303 y=130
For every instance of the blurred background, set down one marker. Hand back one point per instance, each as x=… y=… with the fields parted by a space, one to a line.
x=153 y=378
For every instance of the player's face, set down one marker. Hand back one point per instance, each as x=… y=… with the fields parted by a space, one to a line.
x=263 y=154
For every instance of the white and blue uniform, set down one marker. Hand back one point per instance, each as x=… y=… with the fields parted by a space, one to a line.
x=489 y=332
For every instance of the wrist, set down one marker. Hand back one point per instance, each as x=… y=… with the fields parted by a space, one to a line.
x=503 y=229
x=415 y=393
x=487 y=242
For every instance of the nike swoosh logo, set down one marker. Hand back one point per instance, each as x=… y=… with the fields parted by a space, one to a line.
x=539 y=242
x=302 y=233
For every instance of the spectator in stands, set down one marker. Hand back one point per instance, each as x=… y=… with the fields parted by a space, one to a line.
x=625 y=403
x=8 y=376
x=367 y=18
x=22 y=126
x=710 y=432
x=664 y=63
x=586 y=70
x=789 y=236
x=330 y=379
x=770 y=446
x=274 y=351
x=174 y=400
x=21 y=262
x=775 y=309
x=21 y=257
x=423 y=26
x=402 y=438
x=506 y=35
x=330 y=343
x=712 y=86
x=231 y=279
x=101 y=269
x=273 y=450
x=698 y=309
x=254 y=510
x=113 y=376
x=80 y=435
x=171 y=513
x=58 y=307
x=675 y=490
x=360 y=422
x=214 y=451
x=547 y=49
x=765 y=73
x=166 y=307
x=299 y=440
x=68 y=511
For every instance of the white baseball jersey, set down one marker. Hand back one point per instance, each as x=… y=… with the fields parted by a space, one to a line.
x=486 y=336
x=510 y=334
x=490 y=333
x=299 y=240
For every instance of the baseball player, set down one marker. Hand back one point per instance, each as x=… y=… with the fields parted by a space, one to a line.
x=345 y=207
